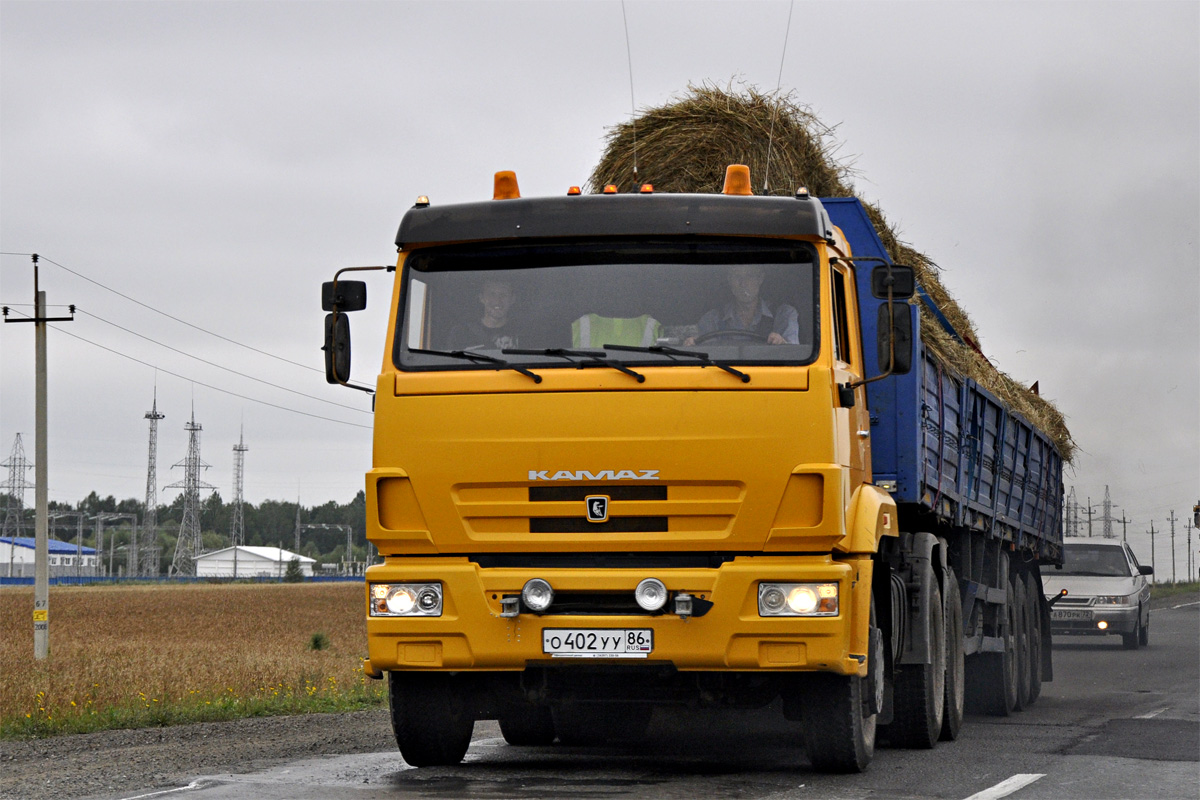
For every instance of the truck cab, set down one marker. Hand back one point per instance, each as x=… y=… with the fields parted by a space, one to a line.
x=622 y=461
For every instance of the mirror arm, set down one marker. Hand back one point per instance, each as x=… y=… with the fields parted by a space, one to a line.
x=337 y=312
x=891 y=347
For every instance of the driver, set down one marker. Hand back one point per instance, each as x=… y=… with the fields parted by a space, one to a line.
x=746 y=311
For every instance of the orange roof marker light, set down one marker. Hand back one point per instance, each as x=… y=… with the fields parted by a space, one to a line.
x=506 y=186
x=422 y=202
x=574 y=190
x=737 y=180
x=610 y=188
x=647 y=188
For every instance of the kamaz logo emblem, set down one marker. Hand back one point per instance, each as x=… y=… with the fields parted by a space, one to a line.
x=602 y=475
x=597 y=507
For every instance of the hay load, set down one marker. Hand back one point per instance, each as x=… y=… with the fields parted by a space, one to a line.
x=686 y=145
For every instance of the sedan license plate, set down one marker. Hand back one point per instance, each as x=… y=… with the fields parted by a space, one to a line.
x=598 y=642
x=1063 y=615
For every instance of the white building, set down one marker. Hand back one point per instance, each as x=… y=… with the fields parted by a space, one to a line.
x=250 y=562
x=16 y=558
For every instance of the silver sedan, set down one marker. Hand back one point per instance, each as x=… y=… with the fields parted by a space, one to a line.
x=1107 y=591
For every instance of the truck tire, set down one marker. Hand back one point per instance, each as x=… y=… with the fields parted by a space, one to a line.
x=839 y=736
x=919 y=690
x=430 y=717
x=528 y=726
x=1016 y=601
x=992 y=677
x=1033 y=627
x=955 y=662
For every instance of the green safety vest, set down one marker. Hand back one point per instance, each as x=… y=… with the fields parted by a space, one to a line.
x=592 y=330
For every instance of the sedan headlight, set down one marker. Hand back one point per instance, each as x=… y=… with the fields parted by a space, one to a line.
x=1116 y=600
x=797 y=599
x=406 y=600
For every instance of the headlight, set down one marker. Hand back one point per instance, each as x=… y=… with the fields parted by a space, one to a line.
x=797 y=599
x=651 y=594
x=1116 y=600
x=406 y=600
x=537 y=595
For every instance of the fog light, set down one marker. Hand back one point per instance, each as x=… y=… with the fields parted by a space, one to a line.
x=651 y=594
x=1102 y=625
x=537 y=595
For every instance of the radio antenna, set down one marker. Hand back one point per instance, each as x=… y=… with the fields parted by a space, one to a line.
x=775 y=109
x=632 y=106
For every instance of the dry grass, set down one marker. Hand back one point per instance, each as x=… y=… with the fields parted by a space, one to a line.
x=685 y=146
x=129 y=656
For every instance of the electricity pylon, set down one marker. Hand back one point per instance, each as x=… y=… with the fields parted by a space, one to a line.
x=188 y=546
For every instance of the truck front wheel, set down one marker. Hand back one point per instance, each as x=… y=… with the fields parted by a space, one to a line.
x=431 y=717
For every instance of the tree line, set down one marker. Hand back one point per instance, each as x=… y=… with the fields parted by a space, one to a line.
x=272 y=523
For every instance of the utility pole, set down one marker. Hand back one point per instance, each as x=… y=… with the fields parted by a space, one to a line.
x=41 y=542
x=1124 y=527
x=1153 y=564
x=237 y=525
x=1089 y=513
x=1171 y=519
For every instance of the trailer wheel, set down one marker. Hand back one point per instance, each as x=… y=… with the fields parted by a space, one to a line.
x=529 y=726
x=430 y=717
x=992 y=677
x=955 y=662
x=1033 y=628
x=919 y=690
x=1016 y=600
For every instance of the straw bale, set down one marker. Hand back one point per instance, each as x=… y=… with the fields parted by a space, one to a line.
x=685 y=146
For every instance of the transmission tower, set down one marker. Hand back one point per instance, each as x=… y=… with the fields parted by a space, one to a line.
x=14 y=487
x=1108 y=520
x=187 y=547
x=1072 y=514
x=237 y=530
x=147 y=548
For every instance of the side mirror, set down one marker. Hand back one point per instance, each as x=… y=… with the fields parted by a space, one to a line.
x=337 y=348
x=901 y=278
x=894 y=338
x=1146 y=570
x=349 y=296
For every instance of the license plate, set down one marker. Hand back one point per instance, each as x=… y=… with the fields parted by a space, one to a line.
x=598 y=642
x=1069 y=614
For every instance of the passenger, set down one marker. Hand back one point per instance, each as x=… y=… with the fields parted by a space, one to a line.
x=494 y=329
x=746 y=311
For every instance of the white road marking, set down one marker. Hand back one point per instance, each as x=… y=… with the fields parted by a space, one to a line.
x=1005 y=788
x=193 y=785
x=1152 y=714
x=1185 y=605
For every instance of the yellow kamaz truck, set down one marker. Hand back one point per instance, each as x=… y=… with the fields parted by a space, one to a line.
x=638 y=451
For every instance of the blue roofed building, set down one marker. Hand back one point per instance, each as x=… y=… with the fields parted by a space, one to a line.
x=66 y=558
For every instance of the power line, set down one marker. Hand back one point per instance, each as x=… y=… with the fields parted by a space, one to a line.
x=210 y=386
x=218 y=366
x=171 y=317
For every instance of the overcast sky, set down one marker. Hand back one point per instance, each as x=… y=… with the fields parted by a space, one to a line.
x=216 y=162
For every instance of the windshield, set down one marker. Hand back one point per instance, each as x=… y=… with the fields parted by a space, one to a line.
x=560 y=305
x=1095 y=560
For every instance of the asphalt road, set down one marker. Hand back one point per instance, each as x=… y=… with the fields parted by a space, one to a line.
x=1113 y=724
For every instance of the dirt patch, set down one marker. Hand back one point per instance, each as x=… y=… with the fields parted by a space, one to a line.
x=112 y=762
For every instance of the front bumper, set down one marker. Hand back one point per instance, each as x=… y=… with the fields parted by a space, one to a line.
x=1086 y=620
x=471 y=634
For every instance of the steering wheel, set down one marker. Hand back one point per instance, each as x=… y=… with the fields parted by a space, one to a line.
x=732 y=333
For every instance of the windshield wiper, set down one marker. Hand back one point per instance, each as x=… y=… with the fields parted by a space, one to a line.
x=588 y=357
x=480 y=357
x=671 y=352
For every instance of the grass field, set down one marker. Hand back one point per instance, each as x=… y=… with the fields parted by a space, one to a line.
x=136 y=656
